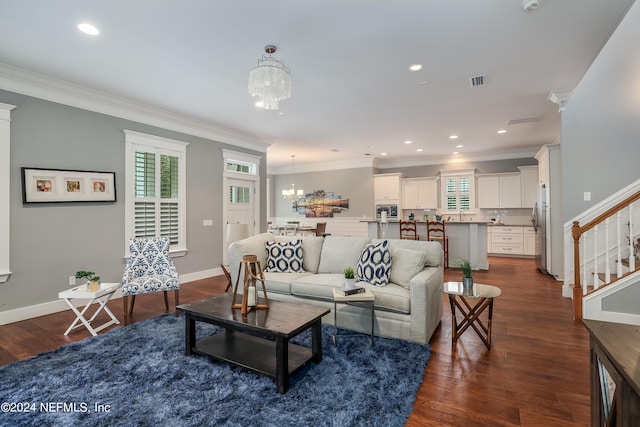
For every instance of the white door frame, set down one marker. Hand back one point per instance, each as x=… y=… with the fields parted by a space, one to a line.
x=253 y=175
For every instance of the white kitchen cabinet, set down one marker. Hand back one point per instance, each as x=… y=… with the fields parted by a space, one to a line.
x=507 y=240
x=499 y=191
x=386 y=188
x=529 y=235
x=529 y=184
x=420 y=193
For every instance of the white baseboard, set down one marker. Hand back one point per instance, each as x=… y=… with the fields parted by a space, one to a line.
x=56 y=306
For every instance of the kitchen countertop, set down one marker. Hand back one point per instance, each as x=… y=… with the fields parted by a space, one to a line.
x=396 y=221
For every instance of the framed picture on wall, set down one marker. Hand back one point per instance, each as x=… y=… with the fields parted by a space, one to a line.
x=41 y=185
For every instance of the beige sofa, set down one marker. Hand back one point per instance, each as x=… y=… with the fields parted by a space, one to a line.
x=408 y=308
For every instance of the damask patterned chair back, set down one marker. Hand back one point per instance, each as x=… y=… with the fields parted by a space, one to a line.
x=149 y=269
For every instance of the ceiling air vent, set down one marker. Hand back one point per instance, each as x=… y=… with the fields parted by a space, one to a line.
x=477 y=80
x=525 y=120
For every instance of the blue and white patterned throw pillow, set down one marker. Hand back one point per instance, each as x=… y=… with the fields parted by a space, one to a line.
x=284 y=257
x=374 y=265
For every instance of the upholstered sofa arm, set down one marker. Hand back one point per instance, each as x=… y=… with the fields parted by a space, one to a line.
x=426 y=302
x=251 y=246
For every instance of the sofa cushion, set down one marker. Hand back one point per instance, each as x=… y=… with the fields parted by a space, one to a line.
x=339 y=252
x=391 y=298
x=374 y=264
x=406 y=263
x=284 y=257
x=318 y=286
x=281 y=282
x=311 y=249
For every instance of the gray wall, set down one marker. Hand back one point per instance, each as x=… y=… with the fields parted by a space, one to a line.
x=601 y=134
x=357 y=184
x=601 y=123
x=493 y=166
x=354 y=184
x=50 y=242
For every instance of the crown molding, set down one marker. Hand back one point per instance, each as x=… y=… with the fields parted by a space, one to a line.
x=380 y=163
x=516 y=153
x=560 y=97
x=367 y=162
x=29 y=83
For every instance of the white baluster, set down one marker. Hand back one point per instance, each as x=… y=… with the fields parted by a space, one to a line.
x=607 y=267
x=584 y=263
x=619 y=258
x=595 y=258
x=632 y=259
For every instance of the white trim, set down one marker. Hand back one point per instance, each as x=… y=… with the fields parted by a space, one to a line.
x=380 y=163
x=592 y=303
x=59 y=305
x=155 y=141
x=582 y=218
x=368 y=162
x=226 y=175
x=5 y=190
x=160 y=145
x=48 y=88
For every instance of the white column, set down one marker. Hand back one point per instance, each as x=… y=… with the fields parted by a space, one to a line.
x=5 y=189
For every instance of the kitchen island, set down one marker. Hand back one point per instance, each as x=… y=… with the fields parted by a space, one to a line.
x=467 y=239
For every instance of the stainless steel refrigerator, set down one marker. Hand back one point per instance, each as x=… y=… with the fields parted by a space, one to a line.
x=539 y=220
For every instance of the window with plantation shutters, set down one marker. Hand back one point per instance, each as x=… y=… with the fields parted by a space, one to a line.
x=457 y=191
x=156 y=179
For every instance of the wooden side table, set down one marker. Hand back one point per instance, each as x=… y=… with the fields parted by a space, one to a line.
x=460 y=298
x=227 y=274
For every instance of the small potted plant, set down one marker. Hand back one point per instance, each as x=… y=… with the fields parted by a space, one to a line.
x=92 y=280
x=467 y=273
x=349 y=278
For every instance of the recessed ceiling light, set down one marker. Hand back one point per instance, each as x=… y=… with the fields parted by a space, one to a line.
x=456 y=152
x=88 y=29
x=383 y=154
x=415 y=67
x=419 y=150
x=459 y=146
x=408 y=142
x=453 y=137
x=502 y=131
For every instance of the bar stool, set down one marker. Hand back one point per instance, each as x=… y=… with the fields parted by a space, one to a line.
x=408 y=230
x=436 y=233
x=252 y=274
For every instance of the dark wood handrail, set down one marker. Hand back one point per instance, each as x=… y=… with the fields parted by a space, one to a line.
x=576 y=232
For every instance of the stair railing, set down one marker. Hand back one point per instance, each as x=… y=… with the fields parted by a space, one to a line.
x=581 y=286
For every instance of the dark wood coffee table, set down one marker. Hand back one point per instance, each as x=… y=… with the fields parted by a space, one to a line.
x=258 y=341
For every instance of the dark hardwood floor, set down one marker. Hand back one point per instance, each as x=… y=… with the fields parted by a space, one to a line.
x=536 y=373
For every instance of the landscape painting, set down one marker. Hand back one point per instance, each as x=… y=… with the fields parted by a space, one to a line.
x=320 y=204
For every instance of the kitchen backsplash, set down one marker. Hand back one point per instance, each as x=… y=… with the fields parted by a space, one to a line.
x=507 y=216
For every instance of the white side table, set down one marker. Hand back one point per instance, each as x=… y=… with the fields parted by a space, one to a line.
x=364 y=298
x=102 y=296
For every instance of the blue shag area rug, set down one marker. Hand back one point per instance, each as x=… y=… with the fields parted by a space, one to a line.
x=139 y=376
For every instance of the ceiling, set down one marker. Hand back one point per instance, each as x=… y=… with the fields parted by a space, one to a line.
x=353 y=95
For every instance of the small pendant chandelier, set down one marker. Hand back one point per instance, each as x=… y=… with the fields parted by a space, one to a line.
x=270 y=81
x=292 y=193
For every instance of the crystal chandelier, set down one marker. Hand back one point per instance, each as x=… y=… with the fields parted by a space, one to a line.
x=270 y=81
x=291 y=193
